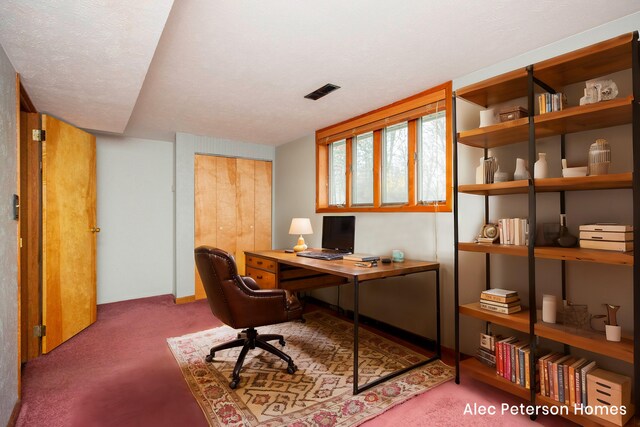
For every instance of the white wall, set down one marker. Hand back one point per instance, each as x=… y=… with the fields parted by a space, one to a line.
x=8 y=242
x=430 y=236
x=187 y=145
x=135 y=214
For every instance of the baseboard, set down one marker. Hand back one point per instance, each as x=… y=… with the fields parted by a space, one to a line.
x=184 y=300
x=13 y=419
x=403 y=334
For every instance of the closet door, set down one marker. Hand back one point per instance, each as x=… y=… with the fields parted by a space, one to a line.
x=246 y=214
x=205 y=208
x=262 y=205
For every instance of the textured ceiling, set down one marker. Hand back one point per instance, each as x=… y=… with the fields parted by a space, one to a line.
x=239 y=69
x=83 y=61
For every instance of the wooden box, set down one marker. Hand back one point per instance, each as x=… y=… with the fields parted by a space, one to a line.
x=513 y=113
x=606 y=393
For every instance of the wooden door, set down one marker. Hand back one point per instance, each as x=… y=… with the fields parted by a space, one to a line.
x=205 y=208
x=245 y=227
x=68 y=231
x=232 y=207
x=262 y=205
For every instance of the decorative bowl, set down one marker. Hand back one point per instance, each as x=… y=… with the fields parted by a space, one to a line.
x=574 y=172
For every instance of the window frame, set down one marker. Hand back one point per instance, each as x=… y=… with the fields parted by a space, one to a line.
x=376 y=121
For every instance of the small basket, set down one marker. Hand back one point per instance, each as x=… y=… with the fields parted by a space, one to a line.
x=513 y=113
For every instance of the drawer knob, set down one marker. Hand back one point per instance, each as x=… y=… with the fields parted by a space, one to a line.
x=259 y=262
x=259 y=277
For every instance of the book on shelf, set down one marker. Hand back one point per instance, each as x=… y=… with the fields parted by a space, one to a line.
x=486 y=357
x=550 y=102
x=361 y=257
x=583 y=380
x=488 y=342
x=573 y=388
x=514 y=231
x=610 y=236
x=606 y=245
x=501 y=304
x=606 y=227
x=499 y=295
x=501 y=310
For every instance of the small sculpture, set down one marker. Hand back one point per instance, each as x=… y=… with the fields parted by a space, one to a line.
x=612 y=330
x=612 y=311
x=599 y=90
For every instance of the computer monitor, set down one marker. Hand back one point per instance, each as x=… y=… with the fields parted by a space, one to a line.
x=338 y=232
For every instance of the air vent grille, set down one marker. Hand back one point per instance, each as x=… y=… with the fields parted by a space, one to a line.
x=324 y=90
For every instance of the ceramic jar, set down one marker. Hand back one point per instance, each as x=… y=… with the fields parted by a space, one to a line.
x=549 y=308
x=541 y=168
x=521 y=170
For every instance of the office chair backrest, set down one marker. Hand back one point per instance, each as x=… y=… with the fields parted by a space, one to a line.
x=221 y=281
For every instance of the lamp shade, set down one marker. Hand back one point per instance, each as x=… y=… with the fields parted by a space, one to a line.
x=300 y=226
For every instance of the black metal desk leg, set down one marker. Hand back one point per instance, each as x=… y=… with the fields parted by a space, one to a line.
x=356 y=295
x=438 y=333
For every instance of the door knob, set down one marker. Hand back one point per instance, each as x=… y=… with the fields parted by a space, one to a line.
x=95 y=229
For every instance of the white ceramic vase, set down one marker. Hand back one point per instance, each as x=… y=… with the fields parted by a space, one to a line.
x=541 y=168
x=488 y=117
x=480 y=172
x=521 y=170
x=549 y=308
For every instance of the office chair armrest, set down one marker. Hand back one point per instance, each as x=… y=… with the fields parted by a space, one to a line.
x=251 y=284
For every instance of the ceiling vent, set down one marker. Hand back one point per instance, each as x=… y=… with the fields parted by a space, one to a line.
x=324 y=90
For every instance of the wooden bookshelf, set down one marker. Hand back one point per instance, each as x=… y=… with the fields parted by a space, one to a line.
x=600 y=115
x=497 y=89
x=486 y=374
x=582 y=183
x=570 y=120
x=585 y=183
x=518 y=321
x=551 y=252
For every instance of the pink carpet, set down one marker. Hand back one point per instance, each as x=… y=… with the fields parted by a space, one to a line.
x=120 y=372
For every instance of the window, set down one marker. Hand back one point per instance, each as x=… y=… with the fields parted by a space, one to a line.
x=338 y=174
x=432 y=159
x=362 y=169
x=396 y=158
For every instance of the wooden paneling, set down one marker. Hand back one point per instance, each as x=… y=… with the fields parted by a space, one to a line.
x=69 y=244
x=205 y=208
x=263 y=195
x=232 y=207
x=246 y=209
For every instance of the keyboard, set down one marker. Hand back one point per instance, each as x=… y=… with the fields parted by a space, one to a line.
x=327 y=256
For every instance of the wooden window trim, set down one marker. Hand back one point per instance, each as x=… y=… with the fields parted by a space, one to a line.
x=409 y=109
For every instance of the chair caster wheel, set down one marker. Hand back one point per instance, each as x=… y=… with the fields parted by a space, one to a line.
x=281 y=342
x=292 y=369
x=209 y=358
x=234 y=383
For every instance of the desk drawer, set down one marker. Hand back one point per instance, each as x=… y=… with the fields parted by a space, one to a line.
x=261 y=263
x=264 y=279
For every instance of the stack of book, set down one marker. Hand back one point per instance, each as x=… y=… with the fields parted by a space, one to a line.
x=513 y=361
x=487 y=351
x=550 y=102
x=563 y=378
x=501 y=301
x=608 y=237
x=514 y=231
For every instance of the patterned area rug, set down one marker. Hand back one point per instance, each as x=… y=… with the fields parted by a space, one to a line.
x=319 y=393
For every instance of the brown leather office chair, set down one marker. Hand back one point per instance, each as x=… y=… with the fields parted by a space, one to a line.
x=240 y=303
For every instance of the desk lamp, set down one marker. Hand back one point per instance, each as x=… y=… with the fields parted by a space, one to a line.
x=300 y=226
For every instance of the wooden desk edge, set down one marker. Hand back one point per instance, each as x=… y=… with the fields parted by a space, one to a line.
x=346 y=269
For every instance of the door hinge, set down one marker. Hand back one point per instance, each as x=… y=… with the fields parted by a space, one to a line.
x=38 y=135
x=39 y=331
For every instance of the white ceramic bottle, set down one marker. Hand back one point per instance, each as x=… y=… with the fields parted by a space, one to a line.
x=541 y=168
x=521 y=170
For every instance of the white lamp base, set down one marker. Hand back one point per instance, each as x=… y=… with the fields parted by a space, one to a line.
x=300 y=246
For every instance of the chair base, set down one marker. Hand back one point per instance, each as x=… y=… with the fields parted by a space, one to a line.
x=249 y=339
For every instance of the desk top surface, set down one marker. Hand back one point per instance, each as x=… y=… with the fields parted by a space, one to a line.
x=346 y=268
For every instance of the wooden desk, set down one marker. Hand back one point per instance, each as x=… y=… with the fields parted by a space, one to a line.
x=277 y=269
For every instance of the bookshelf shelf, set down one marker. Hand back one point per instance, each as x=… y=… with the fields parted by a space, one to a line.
x=486 y=374
x=550 y=252
x=518 y=321
x=574 y=119
x=587 y=340
x=546 y=185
